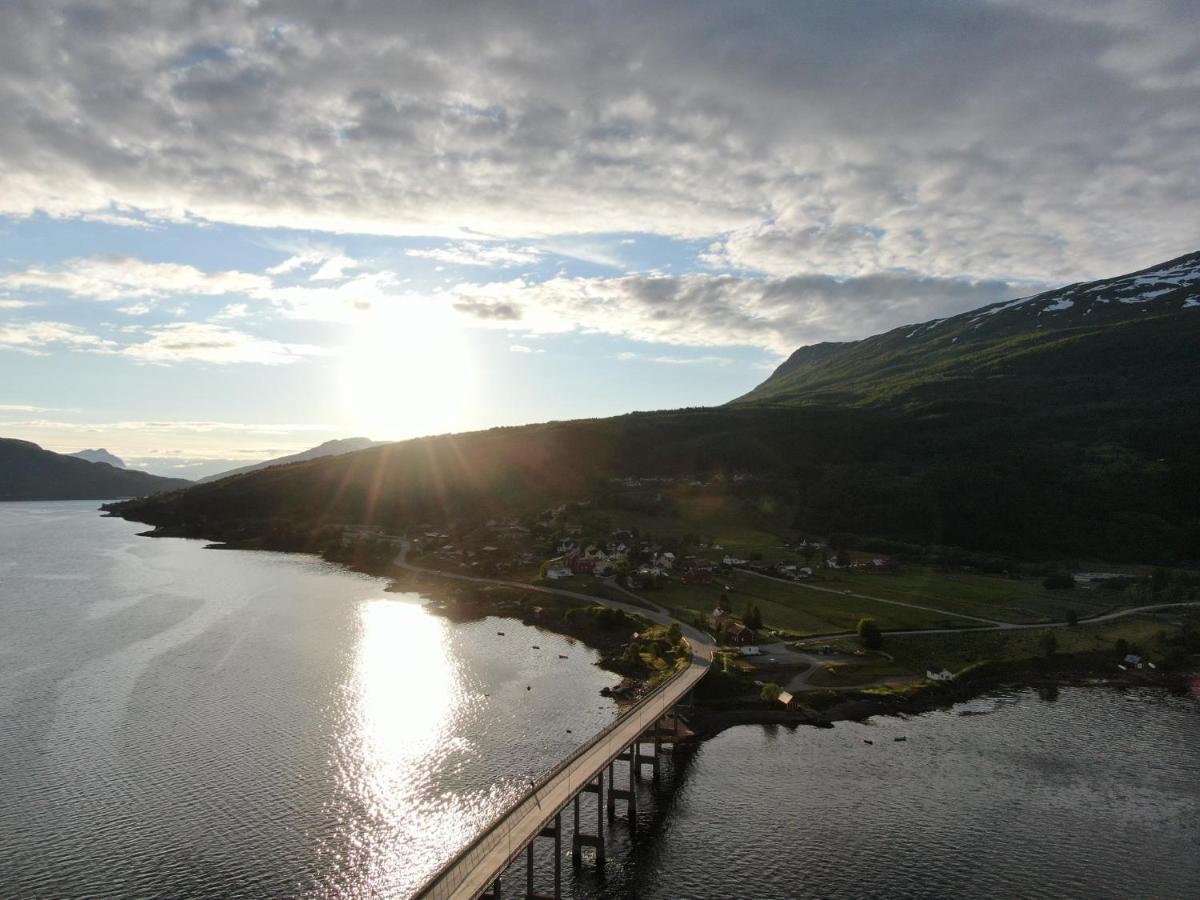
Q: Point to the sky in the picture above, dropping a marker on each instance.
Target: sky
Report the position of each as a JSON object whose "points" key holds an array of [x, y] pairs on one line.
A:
{"points": [[234, 230]]}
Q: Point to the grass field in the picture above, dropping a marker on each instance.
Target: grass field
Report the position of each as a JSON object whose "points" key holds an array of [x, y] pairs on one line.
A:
{"points": [[988, 596], [791, 608], [957, 651]]}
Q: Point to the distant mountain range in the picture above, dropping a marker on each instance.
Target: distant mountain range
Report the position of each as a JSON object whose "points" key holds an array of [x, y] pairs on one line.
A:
{"points": [[1063, 425], [329, 448], [101, 456], [27, 472]]}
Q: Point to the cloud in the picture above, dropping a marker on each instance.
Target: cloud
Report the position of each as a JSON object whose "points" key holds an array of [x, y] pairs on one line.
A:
{"points": [[521, 348], [127, 277], [706, 310], [473, 253], [37, 337], [201, 342], [988, 139], [676, 360], [16, 304]]}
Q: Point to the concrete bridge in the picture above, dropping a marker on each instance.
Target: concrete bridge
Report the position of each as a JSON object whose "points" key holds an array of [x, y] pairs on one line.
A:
{"points": [[475, 871]]}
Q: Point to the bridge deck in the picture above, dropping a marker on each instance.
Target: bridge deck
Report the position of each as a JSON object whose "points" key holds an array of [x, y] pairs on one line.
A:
{"points": [[479, 864]]}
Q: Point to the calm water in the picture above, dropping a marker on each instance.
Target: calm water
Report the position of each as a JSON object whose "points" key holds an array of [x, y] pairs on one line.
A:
{"points": [[1095, 794], [176, 722], [181, 722]]}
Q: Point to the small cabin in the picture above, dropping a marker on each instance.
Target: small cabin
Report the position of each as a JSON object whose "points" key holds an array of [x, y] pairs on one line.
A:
{"points": [[789, 701]]}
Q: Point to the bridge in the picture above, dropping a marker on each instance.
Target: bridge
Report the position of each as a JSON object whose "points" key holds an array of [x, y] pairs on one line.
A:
{"points": [[475, 871]]}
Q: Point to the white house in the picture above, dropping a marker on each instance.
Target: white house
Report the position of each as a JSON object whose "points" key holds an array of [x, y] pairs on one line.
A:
{"points": [[943, 675], [749, 651]]}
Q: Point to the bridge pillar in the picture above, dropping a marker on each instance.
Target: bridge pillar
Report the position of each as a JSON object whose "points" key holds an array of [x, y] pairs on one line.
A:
{"points": [[493, 892], [554, 831], [615, 793], [581, 840]]}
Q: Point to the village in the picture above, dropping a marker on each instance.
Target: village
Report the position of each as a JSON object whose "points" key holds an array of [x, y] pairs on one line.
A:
{"points": [[786, 613]]}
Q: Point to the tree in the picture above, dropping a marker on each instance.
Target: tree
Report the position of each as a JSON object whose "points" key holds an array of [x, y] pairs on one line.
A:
{"points": [[1048, 643], [869, 634], [724, 604], [843, 559], [754, 618], [1072, 617], [770, 693], [674, 634]]}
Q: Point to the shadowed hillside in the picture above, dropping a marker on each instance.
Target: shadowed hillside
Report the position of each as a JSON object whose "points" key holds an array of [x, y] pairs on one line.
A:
{"points": [[1058, 425], [27, 472]]}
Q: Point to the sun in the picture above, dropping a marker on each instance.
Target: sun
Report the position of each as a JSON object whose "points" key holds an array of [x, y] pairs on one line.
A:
{"points": [[406, 371]]}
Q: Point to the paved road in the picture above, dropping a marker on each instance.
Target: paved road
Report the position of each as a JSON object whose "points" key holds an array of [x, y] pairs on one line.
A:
{"points": [[701, 642], [475, 867]]}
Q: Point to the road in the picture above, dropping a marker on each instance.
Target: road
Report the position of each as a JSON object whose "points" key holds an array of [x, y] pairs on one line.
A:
{"points": [[701, 642], [474, 868]]}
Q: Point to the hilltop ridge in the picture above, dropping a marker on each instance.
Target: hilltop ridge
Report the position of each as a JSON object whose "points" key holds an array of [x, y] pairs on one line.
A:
{"points": [[1062, 424]]}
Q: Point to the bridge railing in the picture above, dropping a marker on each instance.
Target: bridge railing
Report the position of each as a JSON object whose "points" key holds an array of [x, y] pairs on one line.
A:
{"points": [[510, 831]]}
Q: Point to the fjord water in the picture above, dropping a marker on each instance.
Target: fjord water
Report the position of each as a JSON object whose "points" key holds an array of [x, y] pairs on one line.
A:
{"points": [[1089, 793], [182, 722]]}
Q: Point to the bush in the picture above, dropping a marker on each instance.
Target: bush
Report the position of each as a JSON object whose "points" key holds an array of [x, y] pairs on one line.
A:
{"points": [[770, 693], [869, 634]]}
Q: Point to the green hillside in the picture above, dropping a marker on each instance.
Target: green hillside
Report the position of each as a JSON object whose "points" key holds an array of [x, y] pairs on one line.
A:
{"points": [[1061, 425]]}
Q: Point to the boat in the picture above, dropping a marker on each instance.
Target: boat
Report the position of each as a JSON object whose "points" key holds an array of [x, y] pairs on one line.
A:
{"points": [[562, 656]]}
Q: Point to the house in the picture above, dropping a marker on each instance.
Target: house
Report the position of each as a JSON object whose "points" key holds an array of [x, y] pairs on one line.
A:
{"points": [[1133, 660], [556, 572], [789, 701], [697, 576], [733, 561], [804, 572], [936, 674], [749, 651], [739, 634]]}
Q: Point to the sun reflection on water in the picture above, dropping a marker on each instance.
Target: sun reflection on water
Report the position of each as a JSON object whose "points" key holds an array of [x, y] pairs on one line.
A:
{"points": [[402, 701]]}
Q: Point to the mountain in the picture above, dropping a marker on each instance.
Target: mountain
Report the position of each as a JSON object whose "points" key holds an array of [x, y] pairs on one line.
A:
{"points": [[329, 448], [1057, 426], [100, 456], [27, 472], [1086, 331]]}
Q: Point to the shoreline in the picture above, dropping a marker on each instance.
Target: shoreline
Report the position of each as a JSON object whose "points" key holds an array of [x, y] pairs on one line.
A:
{"points": [[709, 720]]}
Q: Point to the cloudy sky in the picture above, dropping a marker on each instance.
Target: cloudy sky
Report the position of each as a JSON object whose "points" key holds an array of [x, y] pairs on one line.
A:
{"points": [[230, 230]]}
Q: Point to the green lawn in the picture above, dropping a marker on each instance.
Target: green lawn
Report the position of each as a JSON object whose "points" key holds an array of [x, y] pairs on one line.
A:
{"points": [[987, 596], [791, 608], [957, 651]]}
